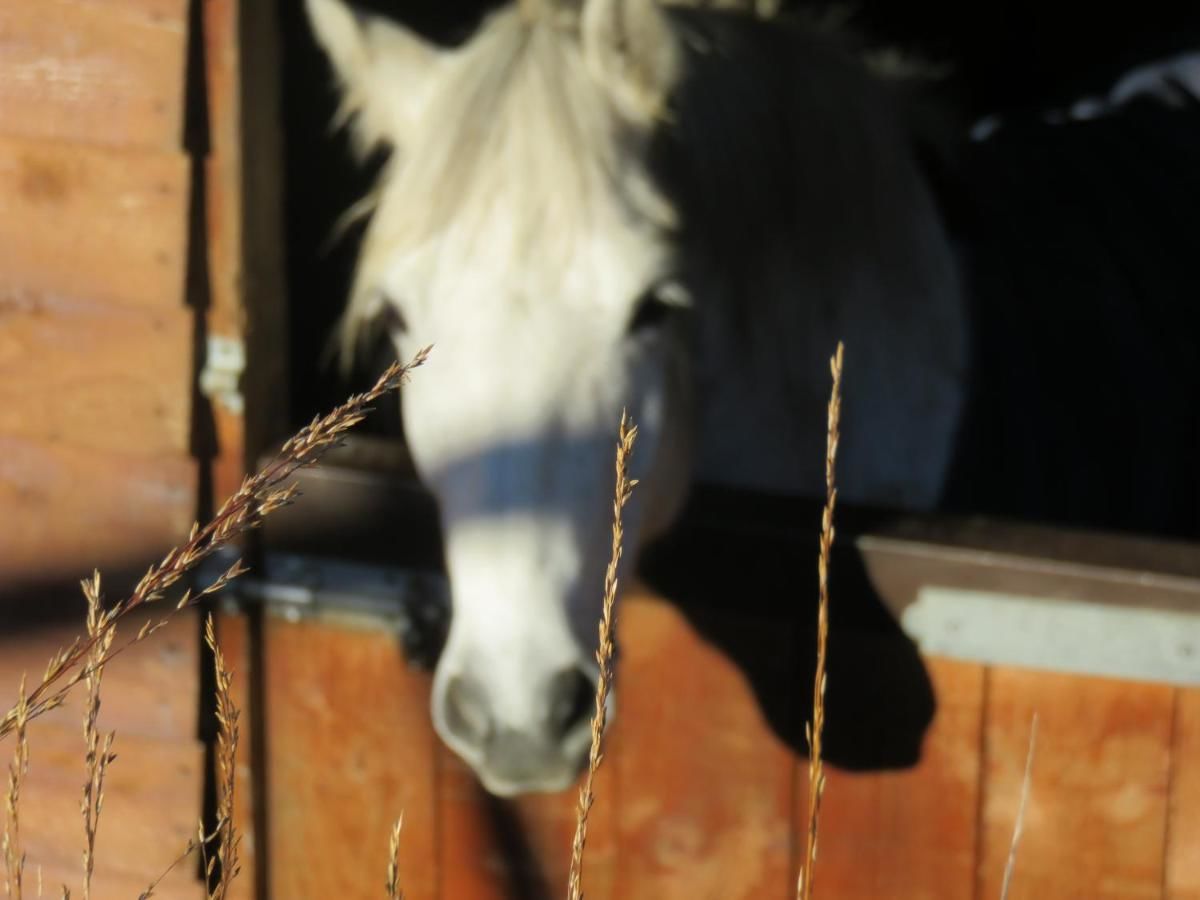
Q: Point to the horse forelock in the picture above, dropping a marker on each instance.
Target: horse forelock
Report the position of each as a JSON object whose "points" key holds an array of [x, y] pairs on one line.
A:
{"points": [[519, 133], [520, 152]]}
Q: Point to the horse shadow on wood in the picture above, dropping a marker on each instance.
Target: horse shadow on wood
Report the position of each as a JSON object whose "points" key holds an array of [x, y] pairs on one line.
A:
{"points": [[743, 571]]}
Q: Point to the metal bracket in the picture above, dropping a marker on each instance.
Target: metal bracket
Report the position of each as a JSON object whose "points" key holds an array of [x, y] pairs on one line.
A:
{"points": [[413, 604], [220, 379]]}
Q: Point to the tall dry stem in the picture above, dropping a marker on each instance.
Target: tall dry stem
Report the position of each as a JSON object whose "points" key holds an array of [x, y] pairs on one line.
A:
{"points": [[258, 497], [98, 755], [14, 856], [228, 839], [393, 873], [816, 773], [1019, 826], [604, 655], [224, 833]]}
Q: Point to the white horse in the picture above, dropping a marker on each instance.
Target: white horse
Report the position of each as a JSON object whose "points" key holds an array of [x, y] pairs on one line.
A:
{"points": [[607, 204]]}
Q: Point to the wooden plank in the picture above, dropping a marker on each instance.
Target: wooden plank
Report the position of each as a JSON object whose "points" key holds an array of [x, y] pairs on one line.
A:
{"points": [[243, 216], [1097, 812], [80, 222], [108, 72], [179, 885], [350, 749], [1183, 833], [495, 848], [223, 227], [152, 799], [97, 376], [706, 788], [1134, 602], [910, 834], [149, 691], [68, 510], [154, 789]]}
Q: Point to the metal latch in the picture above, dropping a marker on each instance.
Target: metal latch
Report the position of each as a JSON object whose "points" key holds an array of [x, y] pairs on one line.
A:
{"points": [[412, 604], [220, 379]]}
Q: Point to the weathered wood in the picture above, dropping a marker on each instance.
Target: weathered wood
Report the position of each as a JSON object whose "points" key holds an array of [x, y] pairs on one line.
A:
{"points": [[149, 691], [1097, 813], [68, 510], [248, 297], [153, 789], [152, 797], [350, 748], [109, 72], [97, 376], [1183, 832], [179, 885], [493, 848], [910, 834], [224, 227], [1000, 593], [706, 802], [88, 223]]}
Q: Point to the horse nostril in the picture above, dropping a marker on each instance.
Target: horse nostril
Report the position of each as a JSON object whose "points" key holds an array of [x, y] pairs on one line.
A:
{"points": [[572, 700], [466, 711]]}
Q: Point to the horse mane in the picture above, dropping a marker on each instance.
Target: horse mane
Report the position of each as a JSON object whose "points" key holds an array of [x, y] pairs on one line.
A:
{"points": [[520, 110], [523, 110]]}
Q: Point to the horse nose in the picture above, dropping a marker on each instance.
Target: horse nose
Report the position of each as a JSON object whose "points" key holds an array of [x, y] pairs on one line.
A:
{"points": [[466, 711], [541, 748], [567, 704], [571, 701]]}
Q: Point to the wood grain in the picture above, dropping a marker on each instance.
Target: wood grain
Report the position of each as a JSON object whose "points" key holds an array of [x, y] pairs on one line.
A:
{"points": [[493, 849], [150, 691], [244, 230], [1097, 812], [706, 788], [69, 510], [153, 790], [89, 223], [152, 800], [108, 72], [911, 834], [97, 376], [350, 748], [181, 884], [1183, 833]]}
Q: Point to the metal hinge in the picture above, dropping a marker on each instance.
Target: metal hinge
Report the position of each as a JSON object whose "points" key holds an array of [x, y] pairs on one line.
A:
{"points": [[412, 604]]}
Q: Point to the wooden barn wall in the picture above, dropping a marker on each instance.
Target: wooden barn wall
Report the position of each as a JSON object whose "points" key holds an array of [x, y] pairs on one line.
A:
{"points": [[123, 239], [247, 312], [699, 796], [704, 785], [153, 793], [95, 331]]}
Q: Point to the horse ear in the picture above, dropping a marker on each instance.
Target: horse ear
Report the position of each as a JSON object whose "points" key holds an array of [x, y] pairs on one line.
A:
{"points": [[385, 71], [633, 53]]}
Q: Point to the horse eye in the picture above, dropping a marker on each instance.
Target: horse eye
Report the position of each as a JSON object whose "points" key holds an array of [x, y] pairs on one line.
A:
{"points": [[392, 319], [656, 305]]}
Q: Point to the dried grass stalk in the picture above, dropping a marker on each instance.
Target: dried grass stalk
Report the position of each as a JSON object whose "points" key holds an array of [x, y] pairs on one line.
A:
{"points": [[258, 497], [813, 730], [228, 839], [224, 833], [604, 655], [14, 857], [393, 873], [187, 851], [1011, 865], [101, 631]]}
